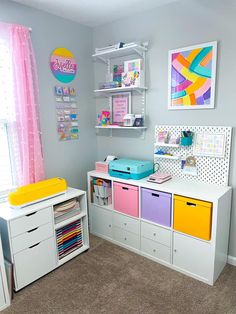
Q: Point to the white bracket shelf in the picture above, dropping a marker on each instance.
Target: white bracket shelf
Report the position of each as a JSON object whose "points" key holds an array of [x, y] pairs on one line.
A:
{"points": [[113, 127], [104, 56], [108, 91]]}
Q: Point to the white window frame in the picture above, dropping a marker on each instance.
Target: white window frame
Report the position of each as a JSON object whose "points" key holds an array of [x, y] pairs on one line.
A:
{"points": [[4, 193]]}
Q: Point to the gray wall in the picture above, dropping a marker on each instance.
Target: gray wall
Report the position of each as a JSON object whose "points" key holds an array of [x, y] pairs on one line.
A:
{"points": [[71, 159], [166, 28]]}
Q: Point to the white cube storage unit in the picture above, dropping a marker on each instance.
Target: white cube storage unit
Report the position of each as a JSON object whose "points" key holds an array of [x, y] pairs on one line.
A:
{"points": [[161, 241], [32, 237]]}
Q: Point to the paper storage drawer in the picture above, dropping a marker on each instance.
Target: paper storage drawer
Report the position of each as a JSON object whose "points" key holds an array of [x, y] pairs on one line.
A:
{"points": [[30, 221], [155, 249], [156, 233], [156, 206], [32, 237], [193, 217], [126, 223], [126, 199], [127, 238], [34, 262]]}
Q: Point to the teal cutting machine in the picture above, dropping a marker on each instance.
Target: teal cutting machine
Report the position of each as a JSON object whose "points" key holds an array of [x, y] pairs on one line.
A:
{"points": [[130, 169]]}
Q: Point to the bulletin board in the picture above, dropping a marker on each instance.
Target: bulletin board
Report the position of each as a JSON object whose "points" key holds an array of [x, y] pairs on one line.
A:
{"points": [[212, 164]]}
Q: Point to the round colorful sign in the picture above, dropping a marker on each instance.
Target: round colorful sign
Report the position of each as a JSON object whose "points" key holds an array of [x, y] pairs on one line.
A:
{"points": [[63, 65]]}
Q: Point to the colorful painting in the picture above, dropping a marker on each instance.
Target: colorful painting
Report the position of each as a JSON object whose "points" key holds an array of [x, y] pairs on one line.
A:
{"points": [[63, 65], [192, 73]]}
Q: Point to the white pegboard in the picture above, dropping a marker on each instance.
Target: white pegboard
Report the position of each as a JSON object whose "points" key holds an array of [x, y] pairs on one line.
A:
{"points": [[211, 170]]}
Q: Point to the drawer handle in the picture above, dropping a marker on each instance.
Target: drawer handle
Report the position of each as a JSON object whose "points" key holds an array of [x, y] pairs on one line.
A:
{"points": [[125, 239], [31, 214], [191, 204], [154, 234], [154, 250], [109, 226], [30, 247], [156, 195], [124, 188], [32, 230], [125, 223]]}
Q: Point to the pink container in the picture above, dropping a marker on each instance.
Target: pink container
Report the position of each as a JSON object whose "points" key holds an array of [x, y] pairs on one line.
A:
{"points": [[126, 199], [102, 166]]}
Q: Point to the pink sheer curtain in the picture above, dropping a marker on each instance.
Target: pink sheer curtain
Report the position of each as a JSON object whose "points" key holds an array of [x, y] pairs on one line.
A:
{"points": [[23, 116]]}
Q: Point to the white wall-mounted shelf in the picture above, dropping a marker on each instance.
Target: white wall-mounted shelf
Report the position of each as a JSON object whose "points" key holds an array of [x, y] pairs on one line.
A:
{"points": [[105, 55], [166, 145], [167, 157], [117, 127], [108, 91]]}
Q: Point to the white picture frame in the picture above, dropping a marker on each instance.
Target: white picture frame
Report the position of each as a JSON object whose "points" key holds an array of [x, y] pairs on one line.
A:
{"points": [[200, 95], [120, 106], [209, 145]]}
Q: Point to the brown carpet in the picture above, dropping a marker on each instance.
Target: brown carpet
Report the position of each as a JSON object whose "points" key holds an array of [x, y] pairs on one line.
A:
{"points": [[110, 279]]}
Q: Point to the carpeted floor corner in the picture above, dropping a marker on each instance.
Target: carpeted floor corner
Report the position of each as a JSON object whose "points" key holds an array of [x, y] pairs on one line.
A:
{"points": [[110, 279]]}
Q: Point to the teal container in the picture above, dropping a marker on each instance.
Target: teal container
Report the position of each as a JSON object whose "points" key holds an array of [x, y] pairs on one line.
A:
{"points": [[186, 141]]}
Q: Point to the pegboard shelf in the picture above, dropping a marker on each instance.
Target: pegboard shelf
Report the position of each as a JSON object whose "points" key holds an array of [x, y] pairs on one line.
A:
{"points": [[212, 170], [166, 145], [167, 157]]}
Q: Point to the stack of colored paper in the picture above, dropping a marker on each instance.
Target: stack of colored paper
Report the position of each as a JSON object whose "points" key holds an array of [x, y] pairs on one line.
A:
{"points": [[69, 238]]}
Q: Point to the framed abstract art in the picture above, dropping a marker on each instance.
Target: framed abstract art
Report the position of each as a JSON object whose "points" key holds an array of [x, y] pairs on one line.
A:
{"points": [[191, 77]]}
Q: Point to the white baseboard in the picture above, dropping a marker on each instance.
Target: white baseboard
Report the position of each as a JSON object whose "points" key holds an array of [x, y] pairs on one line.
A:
{"points": [[232, 260]]}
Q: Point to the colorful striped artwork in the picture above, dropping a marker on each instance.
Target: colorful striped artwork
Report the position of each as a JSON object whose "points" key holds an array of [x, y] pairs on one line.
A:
{"points": [[192, 77]]}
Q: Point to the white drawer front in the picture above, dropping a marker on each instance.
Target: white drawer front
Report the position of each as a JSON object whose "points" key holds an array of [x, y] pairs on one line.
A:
{"points": [[31, 237], [30, 221], [101, 221], [34, 262], [155, 249], [127, 238], [193, 255], [156, 233], [126, 223]]}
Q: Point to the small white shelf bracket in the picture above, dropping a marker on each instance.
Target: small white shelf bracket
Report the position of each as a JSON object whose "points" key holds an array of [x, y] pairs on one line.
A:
{"points": [[103, 60], [140, 53]]}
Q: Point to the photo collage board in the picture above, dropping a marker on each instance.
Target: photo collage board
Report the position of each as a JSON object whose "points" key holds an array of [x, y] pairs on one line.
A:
{"points": [[67, 113]]}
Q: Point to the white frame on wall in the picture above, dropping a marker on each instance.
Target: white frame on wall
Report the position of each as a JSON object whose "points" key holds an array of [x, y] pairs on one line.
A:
{"points": [[211, 142], [123, 94], [213, 78]]}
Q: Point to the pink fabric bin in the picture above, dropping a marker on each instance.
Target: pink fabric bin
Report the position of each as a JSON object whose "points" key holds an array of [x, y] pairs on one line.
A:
{"points": [[126, 199]]}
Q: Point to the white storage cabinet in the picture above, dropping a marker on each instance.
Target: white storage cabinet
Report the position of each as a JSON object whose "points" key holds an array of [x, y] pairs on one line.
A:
{"points": [[29, 236], [195, 257]]}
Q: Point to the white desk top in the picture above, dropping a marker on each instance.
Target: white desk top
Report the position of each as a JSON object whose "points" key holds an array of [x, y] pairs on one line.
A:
{"points": [[8, 213], [202, 191]]}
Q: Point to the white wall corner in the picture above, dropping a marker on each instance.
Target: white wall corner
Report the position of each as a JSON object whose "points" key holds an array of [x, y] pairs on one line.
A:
{"points": [[232, 260]]}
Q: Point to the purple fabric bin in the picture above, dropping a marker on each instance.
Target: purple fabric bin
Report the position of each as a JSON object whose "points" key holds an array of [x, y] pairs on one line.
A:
{"points": [[156, 206]]}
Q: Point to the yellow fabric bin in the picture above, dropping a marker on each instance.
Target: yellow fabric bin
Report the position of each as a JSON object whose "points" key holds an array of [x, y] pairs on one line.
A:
{"points": [[193, 217]]}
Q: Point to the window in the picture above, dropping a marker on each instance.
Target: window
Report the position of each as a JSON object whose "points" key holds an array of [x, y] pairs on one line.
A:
{"points": [[6, 102], [5, 164]]}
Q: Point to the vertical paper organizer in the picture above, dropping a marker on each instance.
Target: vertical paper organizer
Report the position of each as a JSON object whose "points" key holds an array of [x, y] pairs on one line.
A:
{"points": [[69, 238], [102, 195]]}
